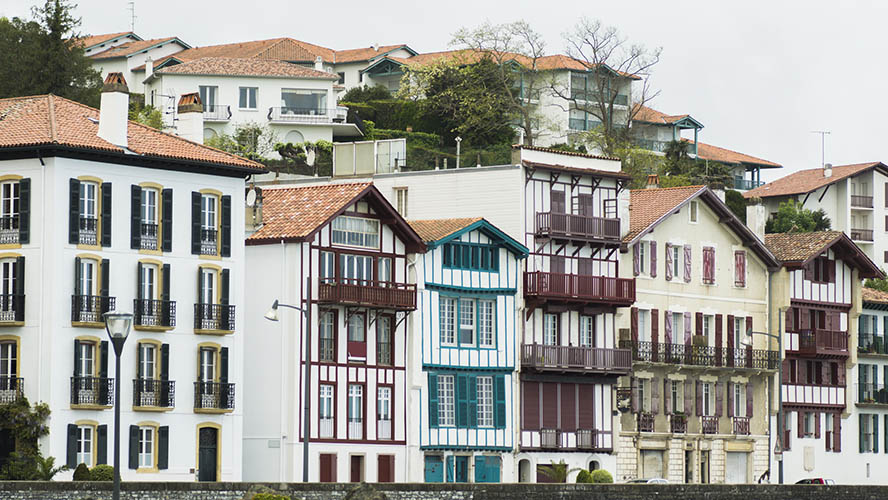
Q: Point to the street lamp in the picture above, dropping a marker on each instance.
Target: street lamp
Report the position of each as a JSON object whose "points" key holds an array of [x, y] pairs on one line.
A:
{"points": [[272, 315], [778, 444], [117, 324]]}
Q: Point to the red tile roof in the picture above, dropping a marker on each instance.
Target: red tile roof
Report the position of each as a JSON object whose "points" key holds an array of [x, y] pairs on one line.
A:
{"points": [[130, 48], [284, 49], [797, 249], [874, 296], [469, 56], [244, 67], [436, 229], [52, 120], [365, 54], [722, 155], [650, 115], [89, 41], [647, 206], [805, 181]]}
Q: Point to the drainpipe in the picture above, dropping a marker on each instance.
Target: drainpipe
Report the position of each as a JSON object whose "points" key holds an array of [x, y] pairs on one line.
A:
{"points": [[770, 379]]}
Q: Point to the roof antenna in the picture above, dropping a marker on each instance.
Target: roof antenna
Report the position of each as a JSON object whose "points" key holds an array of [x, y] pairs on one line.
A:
{"points": [[132, 9], [823, 134]]}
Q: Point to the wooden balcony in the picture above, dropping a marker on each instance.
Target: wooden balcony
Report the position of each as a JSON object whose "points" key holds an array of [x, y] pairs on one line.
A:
{"points": [[678, 424], [858, 201], [825, 343], [577, 227], [645, 422], [374, 294], [575, 288], [709, 425], [741, 426], [710, 357], [562, 358]]}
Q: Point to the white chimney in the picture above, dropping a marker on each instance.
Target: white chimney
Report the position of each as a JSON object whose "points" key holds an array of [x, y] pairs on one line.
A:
{"points": [[149, 67], [319, 63], [114, 110], [623, 207], [756, 216], [190, 118], [827, 170]]}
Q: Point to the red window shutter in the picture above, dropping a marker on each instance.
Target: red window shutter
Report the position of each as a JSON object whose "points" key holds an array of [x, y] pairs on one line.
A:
{"points": [[730, 333], [688, 394], [718, 331], [636, 251], [653, 249], [687, 263], [749, 326], [668, 262], [699, 323], [837, 431], [568, 407], [655, 326], [800, 422], [586, 404], [633, 323], [550, 405], [817, 425], [530, 398], [730, 399]]}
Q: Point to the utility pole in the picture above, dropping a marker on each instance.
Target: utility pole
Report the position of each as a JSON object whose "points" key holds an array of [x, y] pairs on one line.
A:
{"points": [[132, 9], [823, 134]]}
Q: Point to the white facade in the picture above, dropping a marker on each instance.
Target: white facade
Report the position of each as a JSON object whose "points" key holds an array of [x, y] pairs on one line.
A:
{"points": [[127, 64]]}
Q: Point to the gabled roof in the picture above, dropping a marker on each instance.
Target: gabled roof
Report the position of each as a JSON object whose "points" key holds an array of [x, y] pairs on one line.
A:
{"points": [[52, 122], [296, 214], [871, 296], [795, 250], [560, 152], [227, 66], [436, 232], [579, 170], [93, 40], [650, 115], [368, 53], [282, 49], [722, 155], [805, 181], [650, 207], [130, 48]]}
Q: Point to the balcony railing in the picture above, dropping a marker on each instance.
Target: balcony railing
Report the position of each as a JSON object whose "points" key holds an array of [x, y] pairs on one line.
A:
{"points": [[12, 308], [872, 394], [214, 317], [683, 354], [576, 359], [325, 427], [9, 230], [12, 389], [594, 96], [826, 342], [380, 294], [861, 201], [581, 124], [90, 308], [88, 231], [308, 115], [577, 227], [592, 439], [92, 391], [678, 424], [862, 234], [709, 425], [384, 429], [327, 349], [355, 428], [154, 393], [645, 422], [154, 313], [872, 344], [550, 438], [651, 144], [216, 112], [741, 426], [213, 396], [148, 236], [577, 288], [208, 241], [746, 184]]}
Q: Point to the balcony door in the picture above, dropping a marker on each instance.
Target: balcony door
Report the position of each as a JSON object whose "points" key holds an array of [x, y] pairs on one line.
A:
{"points": [[148, 290], [355, 411], [356, 269], [208, 95], [8, 373], [208, 439], [86, 283], [147, 374], [8, 287]]}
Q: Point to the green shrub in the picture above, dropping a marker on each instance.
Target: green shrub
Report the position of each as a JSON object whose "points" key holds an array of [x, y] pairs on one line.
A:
{"points": [[270, 496], [584, 477], [601, 476], [81, 473], [102, 472]]}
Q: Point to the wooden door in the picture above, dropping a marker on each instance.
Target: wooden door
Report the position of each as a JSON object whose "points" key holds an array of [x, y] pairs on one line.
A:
{"points": [[385, 468], [208, 440], [356, 469], [327, 468]]}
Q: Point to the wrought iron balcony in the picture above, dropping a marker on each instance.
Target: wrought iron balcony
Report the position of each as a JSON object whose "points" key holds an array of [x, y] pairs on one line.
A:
{"points": [[12, 389], [12, 308], [148, 237], [593, 440], [88, 234], [550, 438], [577, 227], [678, 424], [709, 425], [308, 115], [867, 343], [741, 426], [861, 234], [213, 396], [579, 289], [216, 112], [154, 313], [377, 294], [859, 201], [823, 342], [562, 358], [92, 391], [9, 230], [152, 393], [208, 241], [684, 354], [90, 308], [645, 422], [872, 394], [214, 317]]}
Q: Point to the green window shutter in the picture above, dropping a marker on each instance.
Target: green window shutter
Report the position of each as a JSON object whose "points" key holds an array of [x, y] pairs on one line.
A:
{"points": [[135, 216], [105, 281], [499, 395], [19, 288], [480, 469], [462, 401], [860, 432], [166, 220], [163, 447], [226, 226], [106, 214], [73, 214], [76, 361], [886, 434], [134, 447], [141, 282], [25, 211], [105, 397], [71, 454], [876, 433], [195, 223], [433, 400], [472, 401], [102, 444], [449, 468]]}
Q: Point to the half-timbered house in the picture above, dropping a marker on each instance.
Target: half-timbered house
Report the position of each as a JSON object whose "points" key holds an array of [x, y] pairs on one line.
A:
{"points": [[465, 333], [339, 253]]}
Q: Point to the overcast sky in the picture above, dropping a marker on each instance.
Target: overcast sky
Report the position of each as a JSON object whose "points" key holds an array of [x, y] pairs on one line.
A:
{"points": [[759, 75]]}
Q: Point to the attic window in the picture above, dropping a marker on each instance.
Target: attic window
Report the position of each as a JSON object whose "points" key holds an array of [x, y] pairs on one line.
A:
{"points": [[692, 212]]}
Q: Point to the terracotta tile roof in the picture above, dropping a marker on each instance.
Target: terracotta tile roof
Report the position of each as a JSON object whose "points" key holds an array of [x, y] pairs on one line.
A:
{"points": [[647, 206], [53, 120], [244, 67], [130, 48], [875, 296], [805, 181], [365, 54], [294, 213], [566, 153], [722, 155], [799, 247], [89, 41], [650, 115], [157, 62], [469, 56], [436, 229], [284, 49]]}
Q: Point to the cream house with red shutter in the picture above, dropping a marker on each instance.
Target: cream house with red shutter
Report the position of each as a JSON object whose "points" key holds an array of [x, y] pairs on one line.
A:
{"points": [[695, 407]]}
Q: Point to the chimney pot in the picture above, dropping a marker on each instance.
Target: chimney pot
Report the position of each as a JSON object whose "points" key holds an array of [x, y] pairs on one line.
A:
{"points": [[653, 181], [827, 169], [190, 117], [319, 63], [114, 110], [149, 67]]}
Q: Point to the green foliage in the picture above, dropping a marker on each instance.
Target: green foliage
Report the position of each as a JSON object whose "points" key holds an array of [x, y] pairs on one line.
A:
{"points": [[737, 203], [584, 476], [307, 158], [81, 473], [880, 284], [270, 496], [601, 476], [102, 472], [555, 472], [29, 465], [149, 116], [27, 423], [365, 93], [250, 140], [570, 148], [397, 114], [792, 218], [42, 56]]}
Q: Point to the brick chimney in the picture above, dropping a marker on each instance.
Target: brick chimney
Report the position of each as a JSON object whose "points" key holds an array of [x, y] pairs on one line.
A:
{"points": [[114, 110], [190, 118], [653, 181]]}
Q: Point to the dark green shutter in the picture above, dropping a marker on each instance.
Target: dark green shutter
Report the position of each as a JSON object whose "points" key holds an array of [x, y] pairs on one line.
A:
{"points": [[165, 376], [102, 444], [433, 400], [195, 223], [166, 277], [140, 279], [71, 454], [876, 433], [472, 401], [499, 391], [223, 376], [74, 211], [886, 435], [226, 226], [163, 447], [462, 397], [134, 447], [135, 216], [861, 417], [106, 214], [166, 220], [140, 359], [449, 469], [25, 211], [106, 280], [77, 358], [104, 396], [225, 323], [76, 275], [19, 288]]}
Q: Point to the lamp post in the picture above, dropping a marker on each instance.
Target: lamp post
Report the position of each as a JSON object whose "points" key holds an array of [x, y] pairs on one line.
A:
{"points": [[117, 324], [458, 141], [272, 315], [778, 444]]}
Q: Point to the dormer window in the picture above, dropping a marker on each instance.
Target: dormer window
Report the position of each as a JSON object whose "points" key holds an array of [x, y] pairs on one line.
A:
{"points": [[356, 232]]}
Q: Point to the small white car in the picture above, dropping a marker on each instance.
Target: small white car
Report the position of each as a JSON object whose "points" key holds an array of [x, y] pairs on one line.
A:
{"points": [[653, 480]]}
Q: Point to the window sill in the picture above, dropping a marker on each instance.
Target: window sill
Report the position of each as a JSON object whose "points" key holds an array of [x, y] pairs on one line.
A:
{"points": [[248, 109], [150, 252], [87, 324], [212, 411], [212, 332], [156, 409], [81, 246], [153, 328], [210, 257], [12, 323], [10, 246], [147, 470], [91, 407]]}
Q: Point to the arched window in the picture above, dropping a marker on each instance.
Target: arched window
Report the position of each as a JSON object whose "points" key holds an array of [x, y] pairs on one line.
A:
{"points": [[294, 137]]}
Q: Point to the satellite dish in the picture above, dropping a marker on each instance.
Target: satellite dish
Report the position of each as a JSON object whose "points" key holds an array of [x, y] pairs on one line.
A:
{"points": [[251, 197], [310, 156]]}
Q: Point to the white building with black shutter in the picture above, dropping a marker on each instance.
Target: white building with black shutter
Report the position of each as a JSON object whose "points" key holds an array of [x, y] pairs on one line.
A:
{"points": [[88, 206]]}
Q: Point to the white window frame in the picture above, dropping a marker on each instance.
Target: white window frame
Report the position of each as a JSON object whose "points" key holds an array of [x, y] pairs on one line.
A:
{"points": [[678, 327], [644, 394], [708, 397], [693, 212], [677, 395], [88, 277], [642, 257], [358, 232], [149, 204], [708, 330], [809, 430], [739, 331], [356, 402], [467, 321], [353, 328], [484, 401], [209, 209], [677, 268], [384, 402], [244, 97], [208, 285], [355, 269], [149, 281], [327, 266], [550, 329], [644, 330], [146, 447], [7, 280], [148, 357], [486, 323], [326, 410], [85, 445], [89, 195], [739, 400], [401, 200], [9, 199], [88, 358], [208, 364], [8, 358], [446, 401], [587, 330], [447, 313]]}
